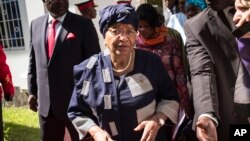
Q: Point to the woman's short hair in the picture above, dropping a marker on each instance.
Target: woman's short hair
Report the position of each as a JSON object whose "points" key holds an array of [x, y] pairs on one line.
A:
{"points": [[148, 13]]}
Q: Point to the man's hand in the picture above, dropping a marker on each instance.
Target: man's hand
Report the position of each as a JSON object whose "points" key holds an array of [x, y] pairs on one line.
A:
{"points": [[206, 129], [32, 100]]}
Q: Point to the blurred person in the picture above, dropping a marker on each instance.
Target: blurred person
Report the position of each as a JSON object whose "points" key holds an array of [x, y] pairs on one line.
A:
{"points": [[241, 18], [172, 5], [122, 93], [86, 8], [170, 8], [6, 89], [181, 5], [59, 40], [168, 45], [193, 7], [242, 14], [123, 1], [219, 79], [174, 18]]}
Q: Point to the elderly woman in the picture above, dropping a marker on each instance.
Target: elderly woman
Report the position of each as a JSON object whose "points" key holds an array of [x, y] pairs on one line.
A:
{"points": [[122, 93]]}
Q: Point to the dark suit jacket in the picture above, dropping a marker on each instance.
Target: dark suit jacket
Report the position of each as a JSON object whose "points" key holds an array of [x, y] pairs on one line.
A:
{"points": [[214, 63], [52, 80]]}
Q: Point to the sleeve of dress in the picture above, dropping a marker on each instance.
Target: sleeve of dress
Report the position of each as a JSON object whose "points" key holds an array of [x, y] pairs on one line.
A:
{"points": [[167, 98], [79, 112], [180, 66]]}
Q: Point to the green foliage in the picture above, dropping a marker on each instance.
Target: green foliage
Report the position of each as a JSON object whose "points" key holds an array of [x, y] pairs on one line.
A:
{"points": [[20, 124]]}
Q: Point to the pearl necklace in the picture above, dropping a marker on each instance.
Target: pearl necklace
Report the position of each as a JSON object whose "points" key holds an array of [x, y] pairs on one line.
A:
{"points": [[127, 66]]}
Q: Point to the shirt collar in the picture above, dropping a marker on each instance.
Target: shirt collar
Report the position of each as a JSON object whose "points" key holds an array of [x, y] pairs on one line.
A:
{"points": [[61, 18]]}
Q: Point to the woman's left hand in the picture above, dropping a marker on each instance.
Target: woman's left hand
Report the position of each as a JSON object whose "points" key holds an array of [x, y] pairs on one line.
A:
{"points": [[151, 127]]}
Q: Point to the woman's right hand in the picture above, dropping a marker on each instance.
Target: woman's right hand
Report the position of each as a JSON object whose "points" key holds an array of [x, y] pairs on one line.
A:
{"points": [[98, 134]]}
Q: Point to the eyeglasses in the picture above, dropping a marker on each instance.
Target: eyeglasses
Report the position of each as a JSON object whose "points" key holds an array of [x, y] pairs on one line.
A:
{"points": [[117, 32]]}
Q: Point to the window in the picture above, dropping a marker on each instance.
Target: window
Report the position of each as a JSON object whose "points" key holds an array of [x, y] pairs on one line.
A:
{"points": [[11, 33]]}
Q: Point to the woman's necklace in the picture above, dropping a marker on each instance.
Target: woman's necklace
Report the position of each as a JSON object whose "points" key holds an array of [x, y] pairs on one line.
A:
{"points": [[127, 66]]}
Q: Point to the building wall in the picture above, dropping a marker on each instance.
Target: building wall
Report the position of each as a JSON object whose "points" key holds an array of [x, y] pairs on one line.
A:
{"points": [[18, 59]]}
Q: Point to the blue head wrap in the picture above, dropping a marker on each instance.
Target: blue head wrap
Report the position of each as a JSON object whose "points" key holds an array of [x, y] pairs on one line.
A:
{"points": [[121, 13], [201, 4]]}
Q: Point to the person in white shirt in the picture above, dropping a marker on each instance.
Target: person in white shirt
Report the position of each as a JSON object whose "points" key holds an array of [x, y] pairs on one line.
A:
{"points": [[174, 18]]}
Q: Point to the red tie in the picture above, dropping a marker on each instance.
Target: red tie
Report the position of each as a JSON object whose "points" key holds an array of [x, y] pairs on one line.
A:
{"points": [[51, 37]]}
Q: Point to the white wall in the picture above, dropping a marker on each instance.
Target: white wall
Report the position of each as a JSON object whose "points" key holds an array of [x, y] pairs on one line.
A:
{"points": [[34, 8], [18, 60]]}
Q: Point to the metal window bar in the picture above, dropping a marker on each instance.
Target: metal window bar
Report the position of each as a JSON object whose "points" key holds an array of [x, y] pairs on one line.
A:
{"points": [[11, 34], [6, 23]]}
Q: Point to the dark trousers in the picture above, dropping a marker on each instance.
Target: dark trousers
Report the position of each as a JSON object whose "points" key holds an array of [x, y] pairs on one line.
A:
{"points": [[53, 128], [1, 122]]}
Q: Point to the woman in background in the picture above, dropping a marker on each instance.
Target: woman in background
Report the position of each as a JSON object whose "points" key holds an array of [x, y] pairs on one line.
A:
{"points": [[166, 43]]}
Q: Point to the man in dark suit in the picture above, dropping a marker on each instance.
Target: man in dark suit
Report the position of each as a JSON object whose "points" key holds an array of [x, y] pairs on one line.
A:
{"points": [[220, 83], [50, 72]]}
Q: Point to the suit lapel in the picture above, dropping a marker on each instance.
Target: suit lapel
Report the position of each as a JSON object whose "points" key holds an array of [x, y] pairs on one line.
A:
{"points": [[43, 32], [61, 37], [227, 38]]}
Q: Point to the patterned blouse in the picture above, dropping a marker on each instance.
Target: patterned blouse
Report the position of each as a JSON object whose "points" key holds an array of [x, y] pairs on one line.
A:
{"points": [[169, 46]]}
